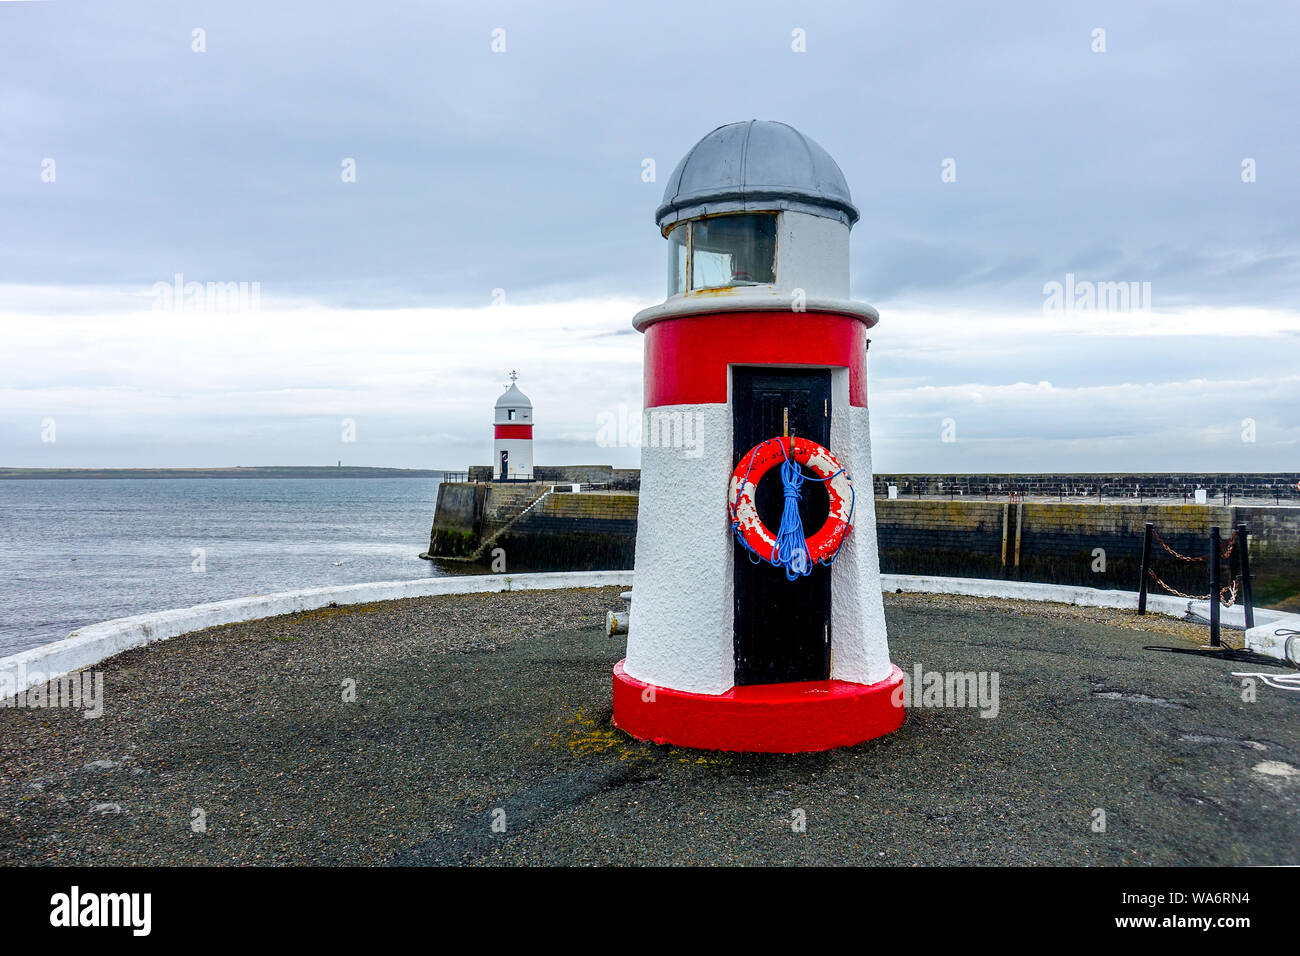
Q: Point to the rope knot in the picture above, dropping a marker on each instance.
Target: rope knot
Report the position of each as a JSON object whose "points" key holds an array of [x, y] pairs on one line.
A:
{"points": [[789, 550]]}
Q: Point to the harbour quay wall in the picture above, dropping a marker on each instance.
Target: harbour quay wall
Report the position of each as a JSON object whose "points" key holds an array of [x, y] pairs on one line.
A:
{"points": [[1282, 487], [588, 531], [1081, 542], [1093, 544], [457, 519], [537, 526]]}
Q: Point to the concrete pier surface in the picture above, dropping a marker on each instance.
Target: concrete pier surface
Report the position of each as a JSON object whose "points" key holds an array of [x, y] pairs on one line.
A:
{"points": [[480, 734]]}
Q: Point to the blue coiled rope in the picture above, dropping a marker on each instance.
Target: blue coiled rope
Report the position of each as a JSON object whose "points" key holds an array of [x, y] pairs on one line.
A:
{"points": [[791, 549]]}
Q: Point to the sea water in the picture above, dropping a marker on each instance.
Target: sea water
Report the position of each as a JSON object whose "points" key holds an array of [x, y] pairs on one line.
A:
{"points": [[78, 551]]}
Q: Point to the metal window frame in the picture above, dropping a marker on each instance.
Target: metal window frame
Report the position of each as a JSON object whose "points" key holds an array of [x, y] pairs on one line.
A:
{"points": [[690, 245]]}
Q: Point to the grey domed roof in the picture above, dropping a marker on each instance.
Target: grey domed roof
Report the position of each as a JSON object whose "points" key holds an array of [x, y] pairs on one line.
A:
{"points": [[513, 398], [755, 165]]}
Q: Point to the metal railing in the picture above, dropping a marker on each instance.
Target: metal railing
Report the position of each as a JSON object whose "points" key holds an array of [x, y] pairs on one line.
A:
{"points": [[1241, 581], [1116, 492], [462, 477]]}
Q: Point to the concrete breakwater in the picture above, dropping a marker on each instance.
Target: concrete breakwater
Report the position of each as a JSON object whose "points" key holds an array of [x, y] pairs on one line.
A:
{"points": [[540, 526], [534, 526]]}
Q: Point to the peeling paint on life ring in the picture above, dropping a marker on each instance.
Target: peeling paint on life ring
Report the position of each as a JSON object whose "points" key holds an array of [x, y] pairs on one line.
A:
{"points": [[826, 541]]}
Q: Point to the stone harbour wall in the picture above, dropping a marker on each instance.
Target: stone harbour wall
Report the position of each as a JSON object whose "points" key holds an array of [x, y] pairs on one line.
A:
{"points": [[1279, 485], [1086, 543], [1055, 543], [587, 531]]}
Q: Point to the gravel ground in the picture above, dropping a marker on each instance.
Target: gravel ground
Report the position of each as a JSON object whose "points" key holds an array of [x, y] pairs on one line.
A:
{"points": [[480, 708]]}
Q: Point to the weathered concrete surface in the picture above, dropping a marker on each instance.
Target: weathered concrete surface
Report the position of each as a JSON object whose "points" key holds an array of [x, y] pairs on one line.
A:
{"points": [[457, 519], [471, 704], [469, 514]]}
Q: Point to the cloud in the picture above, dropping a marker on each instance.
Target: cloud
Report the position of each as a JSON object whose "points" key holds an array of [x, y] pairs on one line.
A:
{"points": [[521, 172], [162, 387]]}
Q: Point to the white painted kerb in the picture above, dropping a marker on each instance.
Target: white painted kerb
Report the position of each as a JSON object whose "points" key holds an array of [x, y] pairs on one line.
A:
{"points": [[90, 645], [1263, 638]]}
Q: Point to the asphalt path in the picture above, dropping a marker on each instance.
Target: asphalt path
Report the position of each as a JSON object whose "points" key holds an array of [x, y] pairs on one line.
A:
{"points": [[480, 734]]}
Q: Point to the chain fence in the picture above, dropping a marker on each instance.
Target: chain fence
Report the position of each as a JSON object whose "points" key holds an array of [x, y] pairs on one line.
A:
{"points": [[1225, 553]]}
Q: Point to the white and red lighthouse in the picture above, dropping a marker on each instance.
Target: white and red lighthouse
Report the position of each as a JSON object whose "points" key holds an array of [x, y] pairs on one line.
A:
{"points": [[743, 634], [512, 434]]}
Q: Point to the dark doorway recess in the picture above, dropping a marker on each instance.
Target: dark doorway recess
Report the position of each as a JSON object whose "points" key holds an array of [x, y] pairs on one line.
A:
{"points": [[782, 628]]}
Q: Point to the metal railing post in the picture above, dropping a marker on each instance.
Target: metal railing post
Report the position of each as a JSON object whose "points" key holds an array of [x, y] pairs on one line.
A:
{"points": [[1146, 568], [1215, 585], [1247, 587]]}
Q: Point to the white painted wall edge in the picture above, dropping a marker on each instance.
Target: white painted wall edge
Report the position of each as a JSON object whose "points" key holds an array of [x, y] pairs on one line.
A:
{"points": [[1263, 638], [89, 645], [1280, 639]]}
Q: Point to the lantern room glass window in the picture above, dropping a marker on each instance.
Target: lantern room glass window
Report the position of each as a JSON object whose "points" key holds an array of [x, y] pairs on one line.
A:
{"points": [[722, 252], [679, 251], [733, 250]]}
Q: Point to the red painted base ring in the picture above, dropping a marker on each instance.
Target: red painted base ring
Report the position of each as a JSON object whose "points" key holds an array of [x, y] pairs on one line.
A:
{"points": [[760, 718]]}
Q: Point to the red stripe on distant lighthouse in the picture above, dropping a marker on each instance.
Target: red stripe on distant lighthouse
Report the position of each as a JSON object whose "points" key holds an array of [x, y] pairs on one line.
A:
{"points": [[514, 431], [686, 358]]}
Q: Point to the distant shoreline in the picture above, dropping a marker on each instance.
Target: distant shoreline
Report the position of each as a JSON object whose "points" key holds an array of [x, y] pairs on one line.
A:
{"points": [[268, 471]]}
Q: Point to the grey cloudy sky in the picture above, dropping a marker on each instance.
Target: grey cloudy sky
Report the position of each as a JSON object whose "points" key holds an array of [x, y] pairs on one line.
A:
{"points": [[522, 171]]}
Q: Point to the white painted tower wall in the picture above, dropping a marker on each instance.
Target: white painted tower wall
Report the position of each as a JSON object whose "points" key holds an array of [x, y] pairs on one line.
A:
{"points": [[515, 412], [521, 457], [681, 630]]}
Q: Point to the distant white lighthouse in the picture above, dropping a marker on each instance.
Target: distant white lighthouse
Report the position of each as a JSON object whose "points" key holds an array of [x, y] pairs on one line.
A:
{"points": [[513, 434]]}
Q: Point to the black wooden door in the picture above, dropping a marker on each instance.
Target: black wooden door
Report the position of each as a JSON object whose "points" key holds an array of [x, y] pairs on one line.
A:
{"points": [[782, 628]]}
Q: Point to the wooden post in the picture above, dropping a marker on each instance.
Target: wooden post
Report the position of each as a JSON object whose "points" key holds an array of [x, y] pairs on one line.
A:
{"points": [[1215, 584], [1020, 513], [1247, 587], [1006, 514], [1146, 568]]}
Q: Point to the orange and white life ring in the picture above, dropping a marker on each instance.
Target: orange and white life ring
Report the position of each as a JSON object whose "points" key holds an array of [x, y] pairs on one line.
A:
{"points": [[826, 542]]}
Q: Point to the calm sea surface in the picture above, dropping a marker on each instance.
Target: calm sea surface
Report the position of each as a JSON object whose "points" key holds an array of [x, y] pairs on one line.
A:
{"points": [[74, 552]]}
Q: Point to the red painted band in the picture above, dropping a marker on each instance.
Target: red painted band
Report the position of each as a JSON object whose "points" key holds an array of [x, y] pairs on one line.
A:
{"points": [[759, 718], [686, 358], [514, 431]]}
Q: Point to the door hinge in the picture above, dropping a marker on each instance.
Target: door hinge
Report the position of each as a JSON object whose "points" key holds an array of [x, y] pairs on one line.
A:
{"points": [[826, 407]]}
